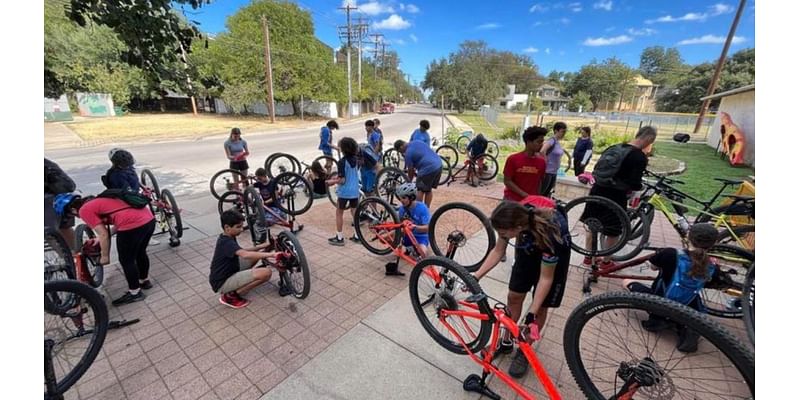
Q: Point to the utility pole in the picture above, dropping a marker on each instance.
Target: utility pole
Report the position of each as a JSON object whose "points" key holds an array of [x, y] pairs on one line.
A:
{"points": [[713, 85], [188, 79], [362, 28], [348, 40], [268, 68], [375, 51]]}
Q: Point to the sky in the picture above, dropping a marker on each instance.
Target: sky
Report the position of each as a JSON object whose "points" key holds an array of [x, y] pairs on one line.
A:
{"points": [[557, 35]]}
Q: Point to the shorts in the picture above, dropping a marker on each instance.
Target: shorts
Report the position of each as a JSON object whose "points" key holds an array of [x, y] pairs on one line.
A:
{"points": [[239, 279], [610, 223], [344, 204], [426, 183], [368, 180], [526, 269], [239, 165]]}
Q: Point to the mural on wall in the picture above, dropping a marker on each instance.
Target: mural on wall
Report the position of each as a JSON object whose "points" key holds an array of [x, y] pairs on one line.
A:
{"points": [[732, 139], [95, 104]]}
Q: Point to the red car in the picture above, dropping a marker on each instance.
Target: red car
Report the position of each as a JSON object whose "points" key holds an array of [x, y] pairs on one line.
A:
{"points": [[386, 108]]}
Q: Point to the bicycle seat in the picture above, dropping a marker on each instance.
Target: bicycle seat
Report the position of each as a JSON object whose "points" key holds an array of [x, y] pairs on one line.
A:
{"points": [[729, 181], [740, 198]]}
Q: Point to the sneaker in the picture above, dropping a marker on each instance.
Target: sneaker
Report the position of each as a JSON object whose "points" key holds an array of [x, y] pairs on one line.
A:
{"points": [[233, 300], [128, 297], [146, 284], [519, 365], [355, 239], [587, 262], [505, 347], [688, 341], [734, 304], [655, 324], [336, 241], [284, 290]]}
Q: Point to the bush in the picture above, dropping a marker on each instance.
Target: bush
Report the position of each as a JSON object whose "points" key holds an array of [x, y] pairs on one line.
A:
{"points": [[512, 133], [451, 136]]}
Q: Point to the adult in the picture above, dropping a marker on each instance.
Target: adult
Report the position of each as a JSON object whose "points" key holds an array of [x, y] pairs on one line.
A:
{"points": [[56, 182], [524, 171], [134, 228], [542, 254], [553, 151], [421, 160], [370, 156], [326, 142], [618, 172], [236, 151], [582, 153], [421, 133]]}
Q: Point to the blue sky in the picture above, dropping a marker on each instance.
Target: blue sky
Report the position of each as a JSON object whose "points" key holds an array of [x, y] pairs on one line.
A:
{"points": [[558, 35]]}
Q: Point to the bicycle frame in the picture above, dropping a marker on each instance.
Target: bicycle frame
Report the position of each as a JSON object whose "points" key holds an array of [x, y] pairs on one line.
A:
{"points": [[405, 226], [472, 172], [706, 204]]}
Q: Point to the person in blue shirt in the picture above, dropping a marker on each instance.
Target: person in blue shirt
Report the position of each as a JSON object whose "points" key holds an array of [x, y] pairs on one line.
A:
{"points": [[582, 153], [369, 157], [348, 189], [380, 136], [326, 142], [421, 134], [419, 215], [122, 174], [423, 161], [476, 147]]}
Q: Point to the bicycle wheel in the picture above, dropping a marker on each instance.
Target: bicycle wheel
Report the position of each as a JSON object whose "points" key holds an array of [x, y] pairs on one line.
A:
{"points": [[292, 193], [149, 180], [387, 181], [447, 172], [75, 326], [611, 355], [640, 223], [323, 160], [255, 216], [592, 217], [745, 233], [225, 180], [370, 213], [749, 304], [171, 214], [493, 149], [393, 158], [461, 144], [722, 297], [437, 284], [449, 153], [58, 260], [231, 200], [83, 234], [279, 163], [297, 274], [486, 166], [462, 233]]}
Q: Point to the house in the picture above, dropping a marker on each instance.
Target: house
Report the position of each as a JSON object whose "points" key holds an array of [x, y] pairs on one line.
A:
{"points": [[641, 100], [511, 99], [551, 97], [734, 127]]}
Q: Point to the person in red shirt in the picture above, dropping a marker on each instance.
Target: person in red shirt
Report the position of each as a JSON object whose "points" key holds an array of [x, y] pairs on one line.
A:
{"points": [[524, 171], [134, 228]]}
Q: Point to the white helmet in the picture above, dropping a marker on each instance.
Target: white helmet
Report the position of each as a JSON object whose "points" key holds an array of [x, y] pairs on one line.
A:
{"points": [[408, 189]]}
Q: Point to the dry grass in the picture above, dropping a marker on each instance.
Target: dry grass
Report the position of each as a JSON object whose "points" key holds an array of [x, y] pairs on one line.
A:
{"points": [[154, 126]]}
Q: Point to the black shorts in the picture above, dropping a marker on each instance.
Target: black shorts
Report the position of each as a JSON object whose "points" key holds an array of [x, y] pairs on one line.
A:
{"points": [[426, 183], [344, 204], [240, 165], [610, 223], [526, 269]]}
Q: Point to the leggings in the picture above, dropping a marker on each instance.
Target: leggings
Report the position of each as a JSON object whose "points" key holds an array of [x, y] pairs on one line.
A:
{"points": [[548, 184], [132, 250], [578, 167]]}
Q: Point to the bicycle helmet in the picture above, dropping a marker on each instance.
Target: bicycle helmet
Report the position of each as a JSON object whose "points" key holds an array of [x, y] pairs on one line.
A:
{"points": [[121, 158], [703, 235], [407, 190], [62, 202]]}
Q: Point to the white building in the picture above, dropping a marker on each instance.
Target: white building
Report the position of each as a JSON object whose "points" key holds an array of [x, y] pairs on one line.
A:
{"points": [[740, 104]]}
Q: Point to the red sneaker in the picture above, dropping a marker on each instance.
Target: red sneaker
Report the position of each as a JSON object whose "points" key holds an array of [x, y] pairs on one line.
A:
{"points": [[233, 300], [587, 261]]}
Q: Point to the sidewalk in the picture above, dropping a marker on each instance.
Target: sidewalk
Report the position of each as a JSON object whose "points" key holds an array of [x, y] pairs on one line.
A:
{"points": [[58, 136]]}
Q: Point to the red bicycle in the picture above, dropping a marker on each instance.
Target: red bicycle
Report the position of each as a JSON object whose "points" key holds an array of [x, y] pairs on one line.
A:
{"points": [[164, 208]]}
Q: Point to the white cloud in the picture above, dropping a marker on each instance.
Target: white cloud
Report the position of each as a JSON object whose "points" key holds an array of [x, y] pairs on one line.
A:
{"points": [[642, 32], [711, 39], [401, 42], [547, 50], [413, 37], [601, 41], [538, 23], [394, 22], [719, 9], [575, 7], [610, 28], [412, 8], [351, 3], [531, 50], [564, 21], [603, 5], [490, 25], [538, 8], [375, 8], [713, 11]]}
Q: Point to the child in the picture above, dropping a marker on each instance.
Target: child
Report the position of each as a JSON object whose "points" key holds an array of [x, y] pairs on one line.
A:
{"points": [[265, 188], [369, 167], [476, 147], [682, 276], [348, 187], [326, 141], [420, 216], [121, 175], [232, 272], [317, 176], [379, 147], [583, 151]]}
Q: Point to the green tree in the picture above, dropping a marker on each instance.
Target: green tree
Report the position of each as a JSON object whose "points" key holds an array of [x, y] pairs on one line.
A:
{"points": [[605, 83], [580, 101], [663, 66]]}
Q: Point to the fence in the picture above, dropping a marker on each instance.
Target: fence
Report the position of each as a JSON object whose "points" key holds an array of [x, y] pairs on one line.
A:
{"points": [[490, 114]]}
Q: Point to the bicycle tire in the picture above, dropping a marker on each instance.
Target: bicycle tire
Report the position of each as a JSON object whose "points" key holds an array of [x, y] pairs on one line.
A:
{"points": [[493, 149], [233, 197], [724, 300], [149, 180], [220, 184], [58, 260], [743, 232], [372, 211], [490, 167], [637, 306], [449, 153], [454, 280], [386, 183], [298, 264], [279, 163], [640, 222], [255, 216], [297, 193], [92, 263], [322, 160], [95, 302], [461, 144], [172, 217], [393, 158], [730, 210], [445, 236], [446, 174], [615, 218], [749, 304]]}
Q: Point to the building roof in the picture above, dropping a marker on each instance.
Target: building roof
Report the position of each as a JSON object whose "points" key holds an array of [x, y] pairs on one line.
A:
{"points": [[546, 86], [554, 98], [641, 81], [730, 92]]}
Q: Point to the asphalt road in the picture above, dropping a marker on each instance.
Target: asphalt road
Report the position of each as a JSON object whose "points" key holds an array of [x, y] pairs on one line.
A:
{"points": [[186, 166]]}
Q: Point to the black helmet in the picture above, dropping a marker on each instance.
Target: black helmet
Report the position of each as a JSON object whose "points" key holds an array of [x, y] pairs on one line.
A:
{"points": [[703, 235], [121, 158]]}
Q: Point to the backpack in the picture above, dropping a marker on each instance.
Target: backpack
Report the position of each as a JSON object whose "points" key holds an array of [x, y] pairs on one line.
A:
{"points": [[366, 156], [133, 199], [56, 181], [607, 167], [683, 287]]}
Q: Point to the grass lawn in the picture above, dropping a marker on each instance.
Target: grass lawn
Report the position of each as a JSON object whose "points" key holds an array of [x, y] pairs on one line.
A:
{"points": [[157, 125]]}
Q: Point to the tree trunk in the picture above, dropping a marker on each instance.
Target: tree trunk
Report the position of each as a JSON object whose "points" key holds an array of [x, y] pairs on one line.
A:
{"points": [[296, 107], [162, 103]]}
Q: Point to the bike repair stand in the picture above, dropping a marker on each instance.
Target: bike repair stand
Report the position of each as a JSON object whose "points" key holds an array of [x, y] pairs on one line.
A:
{"points": [[477, 384]]}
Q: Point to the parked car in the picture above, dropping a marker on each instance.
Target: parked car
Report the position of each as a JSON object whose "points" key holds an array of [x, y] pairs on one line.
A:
{"points": [[386, 108]]}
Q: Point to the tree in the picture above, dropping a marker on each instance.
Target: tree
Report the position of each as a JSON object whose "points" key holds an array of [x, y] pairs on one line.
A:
{"points": [[605, 83], [580, 102], [662, 66]]}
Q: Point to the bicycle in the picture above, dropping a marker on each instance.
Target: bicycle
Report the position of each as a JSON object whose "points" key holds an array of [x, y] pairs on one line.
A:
{"points": [[483, 166], [292, 196], [386, 183], [164, 208], [58, 259], [229, 180], [749, 304], [454, 311], [465, 137]]}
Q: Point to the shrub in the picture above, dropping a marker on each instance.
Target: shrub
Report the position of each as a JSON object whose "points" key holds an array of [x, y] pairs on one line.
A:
{"points": [[512, 133]]}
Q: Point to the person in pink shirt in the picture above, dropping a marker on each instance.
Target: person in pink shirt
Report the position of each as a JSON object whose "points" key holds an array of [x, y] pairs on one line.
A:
{"points": [[134, 228]]}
